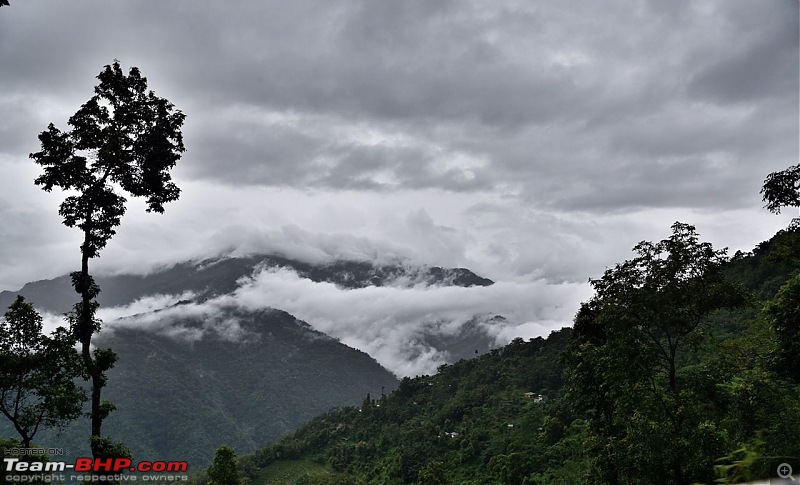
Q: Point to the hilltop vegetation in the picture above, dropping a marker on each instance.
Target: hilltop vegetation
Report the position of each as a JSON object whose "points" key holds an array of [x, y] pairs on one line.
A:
{"points": [[469, 415], [181, 399], [196, 377], [597, 403]]}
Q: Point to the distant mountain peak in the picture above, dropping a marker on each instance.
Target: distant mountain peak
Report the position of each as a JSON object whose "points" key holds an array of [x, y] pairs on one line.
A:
{"points": [[218, 276]]}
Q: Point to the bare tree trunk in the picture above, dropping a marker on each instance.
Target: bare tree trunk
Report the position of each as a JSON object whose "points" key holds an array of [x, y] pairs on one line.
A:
{"points": [[85, 332]]}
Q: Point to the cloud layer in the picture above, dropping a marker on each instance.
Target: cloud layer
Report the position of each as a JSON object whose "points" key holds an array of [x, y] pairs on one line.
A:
{"points": [[390, 323], [533, 143], [644, 100]]}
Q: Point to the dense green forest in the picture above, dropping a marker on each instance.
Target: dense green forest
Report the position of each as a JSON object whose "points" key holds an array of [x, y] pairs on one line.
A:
{"points": [[681, 369]]}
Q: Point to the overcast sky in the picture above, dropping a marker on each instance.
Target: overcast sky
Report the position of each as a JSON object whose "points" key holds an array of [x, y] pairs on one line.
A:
{"points": [[532, 142]]}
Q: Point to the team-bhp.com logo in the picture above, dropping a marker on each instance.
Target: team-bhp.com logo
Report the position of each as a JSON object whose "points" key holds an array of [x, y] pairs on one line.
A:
{"points": [[96, 465]]}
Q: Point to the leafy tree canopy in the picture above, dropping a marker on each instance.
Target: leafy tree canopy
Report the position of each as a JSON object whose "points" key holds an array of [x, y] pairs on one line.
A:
{"points": [[784, 314], [782, 189], [125, 137], [628, 360], [618, 417], [37, 373], [224, 471]]}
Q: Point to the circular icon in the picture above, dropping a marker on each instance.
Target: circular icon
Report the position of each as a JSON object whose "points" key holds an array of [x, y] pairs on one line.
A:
{"points": [[785, 470]]}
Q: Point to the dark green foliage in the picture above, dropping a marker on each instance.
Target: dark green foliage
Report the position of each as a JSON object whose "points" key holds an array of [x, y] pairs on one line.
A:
{"points": [[664, 385], [107, 448], [470, 423], [784, 314], [224, 470], [37, 373], [770, 265], [179, 400], [173, 397], [629, 360], [726, 409], [434, 473], [782, 189]]}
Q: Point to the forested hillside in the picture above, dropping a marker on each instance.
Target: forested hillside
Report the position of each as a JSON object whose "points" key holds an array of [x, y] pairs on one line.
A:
{"points": [[201, 371], [681, 369], [181, 399]]}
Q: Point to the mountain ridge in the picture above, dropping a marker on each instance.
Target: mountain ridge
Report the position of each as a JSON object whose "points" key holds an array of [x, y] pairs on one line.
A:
{"points": [[56, 295], [201, 370], [179, 399]]}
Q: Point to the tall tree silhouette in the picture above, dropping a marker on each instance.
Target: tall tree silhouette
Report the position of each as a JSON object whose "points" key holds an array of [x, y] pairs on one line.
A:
{"points": [[124, 140]]}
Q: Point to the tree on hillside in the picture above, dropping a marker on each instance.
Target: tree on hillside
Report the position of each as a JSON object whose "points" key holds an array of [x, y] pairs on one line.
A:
{"points": [[224, 470], [782, 189], [125, 139], [783, 313], [37, 373], [627, 354], [434, 473]]}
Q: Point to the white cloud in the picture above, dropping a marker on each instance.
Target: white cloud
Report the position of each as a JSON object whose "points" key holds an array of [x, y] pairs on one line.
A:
{"points": [[186, 321], [142, 305], [388, 322]]}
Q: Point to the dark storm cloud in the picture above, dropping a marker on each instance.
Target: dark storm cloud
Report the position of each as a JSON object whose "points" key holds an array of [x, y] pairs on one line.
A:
{"points": [[763, 64], [585, 110], [525, 99], [619, 107]]}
